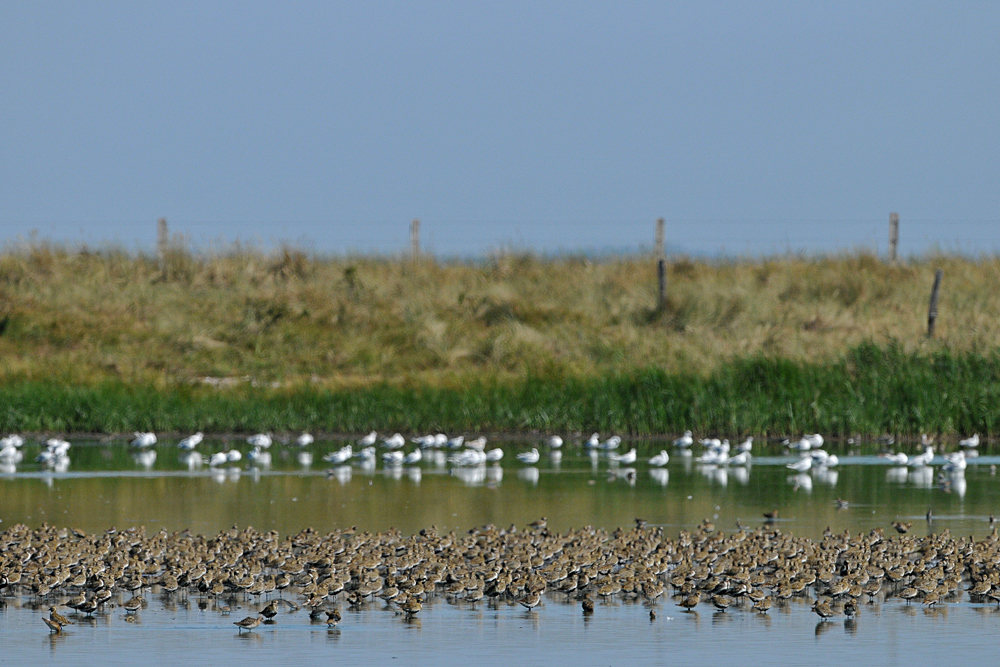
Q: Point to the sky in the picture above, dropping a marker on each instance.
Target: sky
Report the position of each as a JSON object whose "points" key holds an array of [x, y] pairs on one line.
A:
{"points": [[750, 127]]}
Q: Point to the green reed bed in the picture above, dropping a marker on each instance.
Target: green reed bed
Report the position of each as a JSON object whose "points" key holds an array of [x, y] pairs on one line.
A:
{"points": [[870, 390]]}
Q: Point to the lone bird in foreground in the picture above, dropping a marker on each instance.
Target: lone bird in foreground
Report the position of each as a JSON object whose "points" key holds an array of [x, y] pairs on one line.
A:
{"points": [[58, 618], [823, 609], [901, 527], [248, 623], [54, 626]]}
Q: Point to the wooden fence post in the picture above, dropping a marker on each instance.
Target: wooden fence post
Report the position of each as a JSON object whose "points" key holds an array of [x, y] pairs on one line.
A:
{"points": [[661, 280], [415, 239], [658, 249], [162, 240], [893, 236], [932, 312]]}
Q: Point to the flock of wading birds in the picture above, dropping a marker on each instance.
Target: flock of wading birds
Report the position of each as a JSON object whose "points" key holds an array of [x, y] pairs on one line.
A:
{"points": [[331, 576], [92, 574]]}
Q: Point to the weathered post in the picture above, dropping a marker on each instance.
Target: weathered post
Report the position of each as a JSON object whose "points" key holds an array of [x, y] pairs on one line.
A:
{"points": [[661, 280], [415, 239], [893, 236], [932, 312], [658, 249], [162, 240]]}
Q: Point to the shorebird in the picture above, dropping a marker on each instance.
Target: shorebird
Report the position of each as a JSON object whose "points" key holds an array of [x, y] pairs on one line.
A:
{"points": [[690, 601], [970, 442], [823, 609], [588, 605], [412, 606], [395, 441], [801, 465], [262, 440], [233, 455], [54, 626], [685, 440], [660, 459], [217, 459], [143, 439], [922, 459], [191, 441], [741, 459], [305, 440], [133, 605], [530, 600], [393, 458], [555, 442], [248, 623], [479, 444], [898, 458], [368, 440], [746, 445], [342, 455], [529, 457], [627, 458], [611, 443], [270, 611], [413, 457], [954, 462], [901, 527], [58, 618], [494, 455]]}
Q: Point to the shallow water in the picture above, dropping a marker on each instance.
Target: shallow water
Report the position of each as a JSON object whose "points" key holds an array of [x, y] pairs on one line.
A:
{"points": [[105, 485]]}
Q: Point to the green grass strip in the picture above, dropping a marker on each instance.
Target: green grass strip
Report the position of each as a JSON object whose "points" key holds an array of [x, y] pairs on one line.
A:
{"points": [[871, 390]]}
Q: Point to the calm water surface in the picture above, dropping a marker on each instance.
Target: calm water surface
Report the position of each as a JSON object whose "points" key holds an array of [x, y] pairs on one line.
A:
{"points": [[107, 485]]}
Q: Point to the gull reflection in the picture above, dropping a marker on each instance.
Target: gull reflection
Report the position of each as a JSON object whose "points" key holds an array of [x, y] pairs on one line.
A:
{"points": [[8, 468], [896, 474], [470, 476], [414, 474], [741, 474], [922, 478], [715, 474], [440, 459], [394, 472], [661, 475], [494, 474], [825, 476], [801, 481], [529, 474], [304, 459], [555, 456], [192, 460], [145, 458], [341, 473], [595, 459], [367, 466], [954, 482]]}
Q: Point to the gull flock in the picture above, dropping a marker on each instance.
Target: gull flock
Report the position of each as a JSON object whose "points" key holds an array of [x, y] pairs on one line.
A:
{"points": [[471, 458]]}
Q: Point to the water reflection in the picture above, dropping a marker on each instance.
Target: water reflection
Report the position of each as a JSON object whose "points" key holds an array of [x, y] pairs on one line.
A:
{"points": [[661, 475], [801, 482], [529, 474]]}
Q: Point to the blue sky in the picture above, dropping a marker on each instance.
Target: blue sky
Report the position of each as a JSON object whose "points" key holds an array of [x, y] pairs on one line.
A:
{"points": [[752, 127]]}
